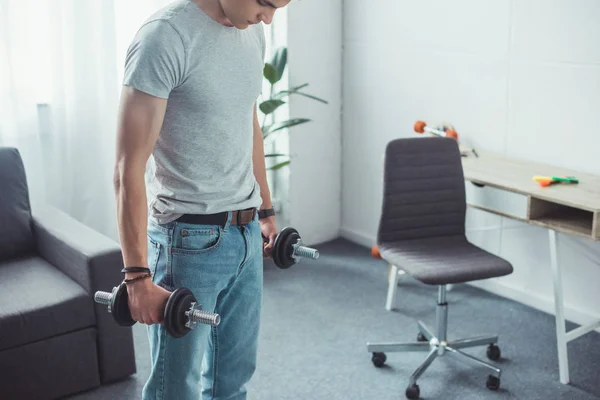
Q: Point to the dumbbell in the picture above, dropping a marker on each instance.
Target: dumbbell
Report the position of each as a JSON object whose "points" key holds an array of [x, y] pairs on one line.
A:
{"points": [[421, 127], [288, 249], [182, 312]]}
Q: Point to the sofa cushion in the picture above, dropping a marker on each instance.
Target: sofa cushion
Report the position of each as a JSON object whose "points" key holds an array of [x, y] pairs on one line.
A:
{"points": [[38, 301], [16, 236], [50, 368]]}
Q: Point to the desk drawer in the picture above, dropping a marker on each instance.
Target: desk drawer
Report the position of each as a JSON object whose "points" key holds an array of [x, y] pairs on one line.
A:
{"points": [[498, 201]]}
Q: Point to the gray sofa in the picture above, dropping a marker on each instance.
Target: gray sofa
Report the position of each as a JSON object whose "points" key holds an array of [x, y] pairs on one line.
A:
{"points": [[54, 340]]}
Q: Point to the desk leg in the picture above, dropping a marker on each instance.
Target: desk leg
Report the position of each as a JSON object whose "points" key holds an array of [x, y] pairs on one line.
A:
{"points": [[559, 309]]}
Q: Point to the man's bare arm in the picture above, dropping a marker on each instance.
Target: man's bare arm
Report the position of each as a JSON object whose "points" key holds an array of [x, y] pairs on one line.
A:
{"points": [[258, 160], [139, 122]]}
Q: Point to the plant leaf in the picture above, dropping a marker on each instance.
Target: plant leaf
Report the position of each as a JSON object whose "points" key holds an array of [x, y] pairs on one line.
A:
{"points": [[296, 90], [270, 73], [267, 130], [279, 166], [310, 96], [275, 155], [267, 107], [299, 87], [279, 62], [285, 93]]}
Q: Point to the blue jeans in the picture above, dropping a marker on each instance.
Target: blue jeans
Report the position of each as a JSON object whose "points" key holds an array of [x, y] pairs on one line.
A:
{"points": [[222, 266]]}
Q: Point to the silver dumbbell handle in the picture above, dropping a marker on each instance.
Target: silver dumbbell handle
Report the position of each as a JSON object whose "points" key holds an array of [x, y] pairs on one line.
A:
{"points": [[198, 316], [103, 298], [303, 251]]}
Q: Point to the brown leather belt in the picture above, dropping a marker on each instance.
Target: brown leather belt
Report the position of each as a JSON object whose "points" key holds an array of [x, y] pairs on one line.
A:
{"points": [[238, 217]]}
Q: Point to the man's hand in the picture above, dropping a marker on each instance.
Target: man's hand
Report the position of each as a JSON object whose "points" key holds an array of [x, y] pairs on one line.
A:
{"points": [[147, 301], [269, 232]]}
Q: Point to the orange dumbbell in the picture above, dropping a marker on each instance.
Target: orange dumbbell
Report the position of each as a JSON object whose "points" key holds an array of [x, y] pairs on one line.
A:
{"points": [[421, 127]]}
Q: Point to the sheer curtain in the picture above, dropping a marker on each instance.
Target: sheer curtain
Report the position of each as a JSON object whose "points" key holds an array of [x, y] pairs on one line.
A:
{"points": [[60, 73]]}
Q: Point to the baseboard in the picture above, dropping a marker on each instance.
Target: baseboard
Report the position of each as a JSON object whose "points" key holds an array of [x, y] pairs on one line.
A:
{"points": [[536, 301], [357, 237]]}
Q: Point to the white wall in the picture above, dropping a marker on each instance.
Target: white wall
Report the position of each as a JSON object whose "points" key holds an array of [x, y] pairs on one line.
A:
{"points": [[520, 77], [315, 43]]}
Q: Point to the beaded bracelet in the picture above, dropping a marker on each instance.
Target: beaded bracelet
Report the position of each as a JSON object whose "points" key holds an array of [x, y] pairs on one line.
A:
{"points": [[137, 278]]}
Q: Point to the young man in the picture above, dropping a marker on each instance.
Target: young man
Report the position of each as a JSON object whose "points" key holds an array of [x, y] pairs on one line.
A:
{"points": [[189, 179]]}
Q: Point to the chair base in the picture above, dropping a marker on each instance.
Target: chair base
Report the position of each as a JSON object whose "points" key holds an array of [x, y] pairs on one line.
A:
{"points": [[437, 346]]}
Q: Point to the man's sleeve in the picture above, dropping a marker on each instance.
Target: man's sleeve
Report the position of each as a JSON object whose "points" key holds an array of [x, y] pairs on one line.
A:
{"points": [[155, 61]]}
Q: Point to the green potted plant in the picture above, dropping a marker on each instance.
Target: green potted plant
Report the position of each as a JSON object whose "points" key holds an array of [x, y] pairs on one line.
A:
{"points": [[273, 72]]}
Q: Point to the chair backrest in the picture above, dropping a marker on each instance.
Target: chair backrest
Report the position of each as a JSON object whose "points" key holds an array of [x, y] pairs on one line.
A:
{"points": [[423, 190], [16, 234]]}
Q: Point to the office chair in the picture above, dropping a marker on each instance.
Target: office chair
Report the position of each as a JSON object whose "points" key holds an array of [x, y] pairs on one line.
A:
{"points": [[422, 231]]}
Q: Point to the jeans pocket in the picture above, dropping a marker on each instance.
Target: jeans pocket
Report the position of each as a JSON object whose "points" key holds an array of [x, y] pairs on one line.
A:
{"points": [[153, 255], [198, 240]]}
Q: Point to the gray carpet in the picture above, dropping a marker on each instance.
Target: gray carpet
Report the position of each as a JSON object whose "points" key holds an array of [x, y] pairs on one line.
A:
{"points": [[319, 315]]}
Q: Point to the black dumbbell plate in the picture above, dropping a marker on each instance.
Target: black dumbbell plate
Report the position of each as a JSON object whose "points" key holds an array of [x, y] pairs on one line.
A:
{"points": [[179, 302], [282, 254], [119, 307]]}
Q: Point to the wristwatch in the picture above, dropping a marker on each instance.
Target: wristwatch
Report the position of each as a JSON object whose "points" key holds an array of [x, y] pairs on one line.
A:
{"points": [[267, 212]]}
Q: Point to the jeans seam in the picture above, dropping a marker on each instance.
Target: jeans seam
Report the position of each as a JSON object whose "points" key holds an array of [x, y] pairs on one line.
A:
{"points": [[163, 351], [215, 363], [169, 267], [248, 254]]}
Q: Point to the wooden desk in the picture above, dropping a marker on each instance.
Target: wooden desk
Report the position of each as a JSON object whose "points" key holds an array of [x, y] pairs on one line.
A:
{"points": [[505, 187]]}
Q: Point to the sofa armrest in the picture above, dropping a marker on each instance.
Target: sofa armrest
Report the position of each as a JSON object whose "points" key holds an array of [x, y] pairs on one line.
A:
{"points": [[94, 261], [89, 258]]}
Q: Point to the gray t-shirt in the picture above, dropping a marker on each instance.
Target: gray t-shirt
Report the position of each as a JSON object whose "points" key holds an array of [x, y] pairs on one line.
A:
{"points": [[212, 76]]}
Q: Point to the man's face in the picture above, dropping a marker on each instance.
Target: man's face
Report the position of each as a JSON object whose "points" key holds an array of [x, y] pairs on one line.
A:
{"points": [[242, 13]]}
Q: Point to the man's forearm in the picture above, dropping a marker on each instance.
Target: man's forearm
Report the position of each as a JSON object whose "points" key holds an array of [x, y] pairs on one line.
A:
{"points": [[132, 214]]}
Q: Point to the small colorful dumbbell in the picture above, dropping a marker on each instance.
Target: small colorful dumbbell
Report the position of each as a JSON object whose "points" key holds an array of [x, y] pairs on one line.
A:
{"points": [[421, 127]]}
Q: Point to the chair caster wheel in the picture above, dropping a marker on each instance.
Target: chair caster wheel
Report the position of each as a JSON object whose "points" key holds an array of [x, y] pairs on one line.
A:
{"points": [[493, 352], [421, 338], [378, 359], [413, 392], [493, 383]]}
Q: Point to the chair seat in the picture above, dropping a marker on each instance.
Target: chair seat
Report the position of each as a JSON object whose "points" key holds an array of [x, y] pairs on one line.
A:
{"points": [[444, 260], [38, 301]]}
